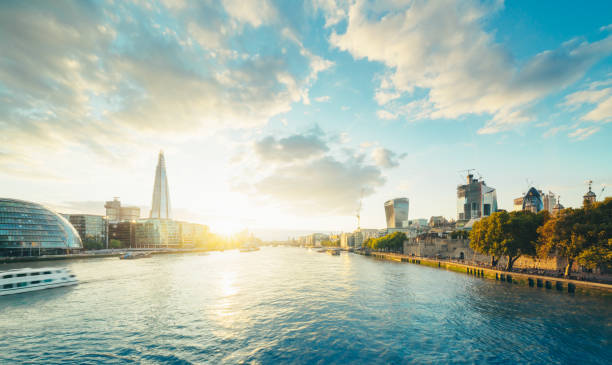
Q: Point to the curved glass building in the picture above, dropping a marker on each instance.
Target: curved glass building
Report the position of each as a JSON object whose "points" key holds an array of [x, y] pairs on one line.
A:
{"points": [[533, 201], [30, 229]]}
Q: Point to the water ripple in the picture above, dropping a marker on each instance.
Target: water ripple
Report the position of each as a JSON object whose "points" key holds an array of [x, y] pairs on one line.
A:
{"points": [[287, 305]]}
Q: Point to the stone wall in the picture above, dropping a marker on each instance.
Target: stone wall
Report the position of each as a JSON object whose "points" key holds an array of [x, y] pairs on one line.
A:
{"points": [[456, 249]]}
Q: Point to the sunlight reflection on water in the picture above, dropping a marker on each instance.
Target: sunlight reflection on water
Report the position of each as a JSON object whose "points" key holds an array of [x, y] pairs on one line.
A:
{"points": [[296, 306]]}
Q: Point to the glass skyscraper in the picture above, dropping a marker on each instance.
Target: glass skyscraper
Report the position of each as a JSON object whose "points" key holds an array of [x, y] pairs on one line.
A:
{"points": [[160, 206], [396, 212], [532, 201]]}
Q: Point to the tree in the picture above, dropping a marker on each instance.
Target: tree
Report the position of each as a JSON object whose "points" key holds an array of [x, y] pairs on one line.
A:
{"points": [[114, 243], [92, 244], [390, 242], [511, 234], [581, 235], [328, 243], [482, 237]]}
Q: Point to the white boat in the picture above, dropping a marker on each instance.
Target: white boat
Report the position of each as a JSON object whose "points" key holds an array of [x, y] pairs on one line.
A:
{"points": [[28, 279]]}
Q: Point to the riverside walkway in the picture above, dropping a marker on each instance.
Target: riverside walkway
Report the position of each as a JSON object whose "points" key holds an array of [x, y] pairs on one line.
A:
{"points": [[531, 280]]}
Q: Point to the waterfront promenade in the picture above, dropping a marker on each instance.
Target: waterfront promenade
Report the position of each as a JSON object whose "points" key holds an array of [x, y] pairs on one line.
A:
{"points": [[532, 280]]}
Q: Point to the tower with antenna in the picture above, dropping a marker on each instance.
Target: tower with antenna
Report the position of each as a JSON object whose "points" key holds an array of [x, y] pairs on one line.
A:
{"points": [[359, 211]]}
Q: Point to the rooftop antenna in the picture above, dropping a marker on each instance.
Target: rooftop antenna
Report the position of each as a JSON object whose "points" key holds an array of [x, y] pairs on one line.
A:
{"points": [[359, 211]]}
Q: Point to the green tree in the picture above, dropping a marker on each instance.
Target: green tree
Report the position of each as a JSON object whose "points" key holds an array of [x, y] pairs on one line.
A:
{"points": [[581, 235], [506, 234], [114, 243], [92, 244], [328, 243], [390, 242]]}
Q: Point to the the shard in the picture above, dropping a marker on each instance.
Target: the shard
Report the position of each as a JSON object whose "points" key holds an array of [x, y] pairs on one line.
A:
{"points": [[160, 206]]}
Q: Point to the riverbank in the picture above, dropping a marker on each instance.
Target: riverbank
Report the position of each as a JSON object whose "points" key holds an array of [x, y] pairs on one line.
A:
{"points": [[534, 281], [95, 254]]}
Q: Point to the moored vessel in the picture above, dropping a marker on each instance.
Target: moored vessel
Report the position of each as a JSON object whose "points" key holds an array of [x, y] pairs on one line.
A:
{"points": [[132, 256], [28, 279]]}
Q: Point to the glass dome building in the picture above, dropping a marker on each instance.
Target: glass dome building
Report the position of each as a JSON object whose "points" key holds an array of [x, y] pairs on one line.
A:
{"points": [[30, 229]]}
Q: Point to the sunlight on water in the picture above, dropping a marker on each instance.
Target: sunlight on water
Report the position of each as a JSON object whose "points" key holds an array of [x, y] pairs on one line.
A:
{"points": [[290, 305]]}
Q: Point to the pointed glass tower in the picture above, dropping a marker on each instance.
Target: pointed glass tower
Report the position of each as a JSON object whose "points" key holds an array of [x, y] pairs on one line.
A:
{"points": [[160, 206]]}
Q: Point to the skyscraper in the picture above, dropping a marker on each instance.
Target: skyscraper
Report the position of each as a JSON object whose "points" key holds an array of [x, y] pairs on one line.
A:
{"points": [[475, 200], [396, 212], [160, 206]]}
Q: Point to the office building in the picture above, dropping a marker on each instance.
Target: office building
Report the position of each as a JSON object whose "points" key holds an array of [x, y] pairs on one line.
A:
{"points": [[396, 212], [160, 205], [123, 232], [156, 233], [28, 229], [116, 213], [192, 234], [90, 227], [532, 201], [475, 200]]}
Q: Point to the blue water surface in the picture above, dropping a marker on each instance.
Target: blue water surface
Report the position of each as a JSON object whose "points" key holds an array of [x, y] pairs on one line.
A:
{"points": [[291, 305]]}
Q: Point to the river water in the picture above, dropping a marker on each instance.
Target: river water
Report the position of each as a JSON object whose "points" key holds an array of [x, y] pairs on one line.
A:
{"points": [[291, 305]]}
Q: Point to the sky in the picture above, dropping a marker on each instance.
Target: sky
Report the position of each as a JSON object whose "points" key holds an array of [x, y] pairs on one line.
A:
{"points": [[284, 115]]}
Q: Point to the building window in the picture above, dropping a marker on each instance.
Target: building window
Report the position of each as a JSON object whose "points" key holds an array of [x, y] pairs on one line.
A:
{"points": [[7, 276], [36, 282], [7, 286]]}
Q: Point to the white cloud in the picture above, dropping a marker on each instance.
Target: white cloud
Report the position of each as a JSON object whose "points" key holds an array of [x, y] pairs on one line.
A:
{"points": [[295, 147], [386, 158], [66, 81], [384, 114], [334, 11], [322, 99], [441, 47], [254, 12], [581, 134], [303, 173], [600, 97]]}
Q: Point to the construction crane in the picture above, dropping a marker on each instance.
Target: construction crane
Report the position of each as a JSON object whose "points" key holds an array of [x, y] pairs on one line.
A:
{"points": [[467, 172], [359, 211]]}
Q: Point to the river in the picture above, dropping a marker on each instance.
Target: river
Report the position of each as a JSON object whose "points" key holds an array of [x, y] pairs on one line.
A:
{"points": [[292, 305]]}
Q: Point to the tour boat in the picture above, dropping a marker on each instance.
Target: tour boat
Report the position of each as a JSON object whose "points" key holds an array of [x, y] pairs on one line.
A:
{"points": [[28, 279], [333, 252]]}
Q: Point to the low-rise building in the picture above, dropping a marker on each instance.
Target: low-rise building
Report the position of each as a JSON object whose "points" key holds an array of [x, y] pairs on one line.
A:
{"points": [[193, 234], [91, 228], [156, 233]]}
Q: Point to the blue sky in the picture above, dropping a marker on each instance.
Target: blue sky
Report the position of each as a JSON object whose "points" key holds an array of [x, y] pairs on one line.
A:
{"points": [[276, 114]]}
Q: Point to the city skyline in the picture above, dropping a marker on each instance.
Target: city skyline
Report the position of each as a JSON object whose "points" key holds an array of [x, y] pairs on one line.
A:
{"points": [[290, 136]]}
